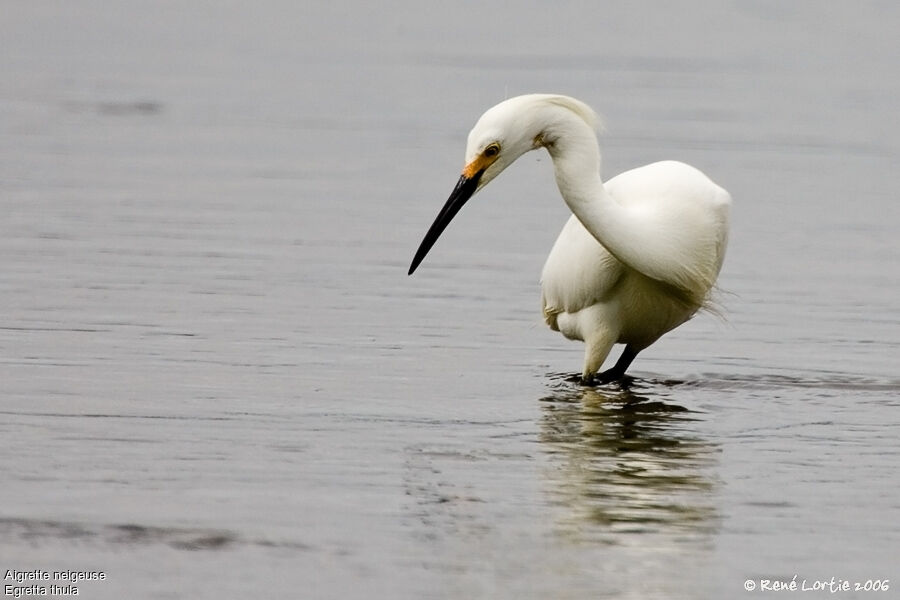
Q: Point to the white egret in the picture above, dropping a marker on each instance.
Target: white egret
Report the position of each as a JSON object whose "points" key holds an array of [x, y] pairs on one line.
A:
{"points": [[641, 252]]}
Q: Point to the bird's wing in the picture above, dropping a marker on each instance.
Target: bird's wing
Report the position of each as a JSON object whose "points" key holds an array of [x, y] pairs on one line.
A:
{"points": [[683, 219], [578, 273]]}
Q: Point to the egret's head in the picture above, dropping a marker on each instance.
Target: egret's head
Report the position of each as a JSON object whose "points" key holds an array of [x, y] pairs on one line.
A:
{"points": [[510, 129], [502, 134]]}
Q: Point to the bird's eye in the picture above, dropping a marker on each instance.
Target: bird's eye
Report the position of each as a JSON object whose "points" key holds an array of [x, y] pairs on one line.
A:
{"points": [[492, 150]]}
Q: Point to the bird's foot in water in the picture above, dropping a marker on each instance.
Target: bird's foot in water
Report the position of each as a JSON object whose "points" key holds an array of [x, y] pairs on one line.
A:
{"points": [[616, 373], [605, 377], [597, 379]]}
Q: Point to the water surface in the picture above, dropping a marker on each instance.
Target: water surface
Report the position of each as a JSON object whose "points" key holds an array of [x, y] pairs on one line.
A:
{"points": [[218, 381]]}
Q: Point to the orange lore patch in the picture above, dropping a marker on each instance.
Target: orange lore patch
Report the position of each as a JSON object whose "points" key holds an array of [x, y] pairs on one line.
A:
{"points": [[480, 163]]}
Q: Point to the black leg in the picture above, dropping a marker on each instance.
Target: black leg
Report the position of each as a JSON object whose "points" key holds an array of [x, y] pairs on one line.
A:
{"points": [[618, 371]]}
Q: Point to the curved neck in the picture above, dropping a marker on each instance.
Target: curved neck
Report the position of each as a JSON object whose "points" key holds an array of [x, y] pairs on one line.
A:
{"points": [[626, 232]]}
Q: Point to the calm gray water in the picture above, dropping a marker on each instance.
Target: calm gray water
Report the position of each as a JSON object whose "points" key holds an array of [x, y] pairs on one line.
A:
{"points": [[218, 382]]}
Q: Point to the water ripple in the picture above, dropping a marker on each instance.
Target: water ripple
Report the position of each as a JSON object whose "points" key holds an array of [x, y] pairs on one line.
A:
{"points": [[36, 531]]}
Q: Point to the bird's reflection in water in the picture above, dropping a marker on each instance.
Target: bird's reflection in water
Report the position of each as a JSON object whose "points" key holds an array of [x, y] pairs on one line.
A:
{"points": [[625, 461]]}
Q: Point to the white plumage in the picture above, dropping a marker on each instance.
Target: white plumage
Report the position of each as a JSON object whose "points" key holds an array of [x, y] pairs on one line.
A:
{"points": [[640, 254]]}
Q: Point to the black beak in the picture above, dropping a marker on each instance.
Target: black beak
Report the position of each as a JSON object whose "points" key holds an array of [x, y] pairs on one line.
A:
{"points": [[464, 189]]}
